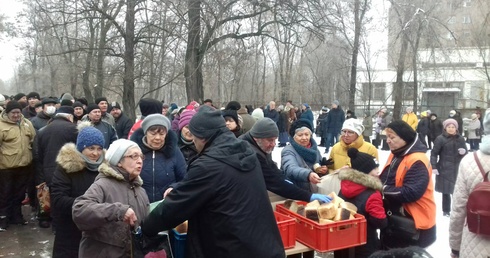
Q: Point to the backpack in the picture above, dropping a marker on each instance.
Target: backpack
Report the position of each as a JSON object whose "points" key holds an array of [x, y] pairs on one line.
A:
{"points": [[478, 205]]}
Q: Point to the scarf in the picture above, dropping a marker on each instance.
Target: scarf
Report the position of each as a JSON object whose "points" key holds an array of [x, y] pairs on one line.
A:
{"points": [[90, 165], [308, 154]]}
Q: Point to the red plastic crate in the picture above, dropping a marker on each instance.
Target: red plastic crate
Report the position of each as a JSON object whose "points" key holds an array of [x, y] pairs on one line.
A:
{"points": [[287, 228], [328, 237]]}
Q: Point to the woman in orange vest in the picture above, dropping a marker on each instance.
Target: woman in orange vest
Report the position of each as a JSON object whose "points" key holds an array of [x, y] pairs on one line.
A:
{"points": [[407, 186]]}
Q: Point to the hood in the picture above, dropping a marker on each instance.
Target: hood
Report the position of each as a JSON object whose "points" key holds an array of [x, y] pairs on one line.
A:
{"points": [[225, 147], [150, 106], [69, 158], [106, 170], [4, 118], [354, 182], [168, 149], [417, 146]]}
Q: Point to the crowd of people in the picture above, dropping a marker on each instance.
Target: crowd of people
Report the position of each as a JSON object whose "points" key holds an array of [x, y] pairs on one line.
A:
{"points": [[213, 168]]}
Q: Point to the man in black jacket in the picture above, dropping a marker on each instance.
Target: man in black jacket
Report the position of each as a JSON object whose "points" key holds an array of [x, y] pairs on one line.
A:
{"points": [[262, 137], [223, 196], [123, 123]]}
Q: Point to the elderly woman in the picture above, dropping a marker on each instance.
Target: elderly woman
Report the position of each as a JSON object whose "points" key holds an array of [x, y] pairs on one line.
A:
{"points": [[77, 167], [407, 186], [300, 160], [449, 149], [164, 163], [113, 205]]}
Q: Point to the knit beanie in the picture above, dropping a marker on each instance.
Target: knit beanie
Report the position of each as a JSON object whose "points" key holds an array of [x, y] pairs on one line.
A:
{"points": [[91, 107], [88, 136], [185, 118], [354, 125], [77, 104], [65, 110], [66, 102], [264, 128], [205, 123], [448, 122], [13, 104], [361, 161], [150, 106], [155, 119], [258, 114], [298, 124], [83, 101], [19, 96], [230, 113], [67, 96], [99, 99], [33, 95], [233, 105], [117, 150], [403, 130], [336, 102]]}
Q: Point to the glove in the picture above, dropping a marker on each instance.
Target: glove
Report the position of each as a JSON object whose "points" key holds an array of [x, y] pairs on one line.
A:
{"points": [[320, 197], [461, 151], [326, 162], [435, 172]]}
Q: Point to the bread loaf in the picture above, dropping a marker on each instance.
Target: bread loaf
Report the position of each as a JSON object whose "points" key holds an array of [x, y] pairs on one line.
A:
{"points": [[325, 221], [342, 214], [291, 205], [335, 198], [301, 210], [327, 211], [349, 206], [314, 203], [311, 212]]}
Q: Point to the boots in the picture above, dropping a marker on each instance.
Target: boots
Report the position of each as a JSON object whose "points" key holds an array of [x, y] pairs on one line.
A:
{"points": [[3, 223]]}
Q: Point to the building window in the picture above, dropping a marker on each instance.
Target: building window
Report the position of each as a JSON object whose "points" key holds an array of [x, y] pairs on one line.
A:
{"points": [[451, 20], [466, 19], [377, 91]]}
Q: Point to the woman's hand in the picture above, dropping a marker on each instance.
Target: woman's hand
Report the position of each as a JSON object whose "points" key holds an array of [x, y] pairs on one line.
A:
{"points": [[130, 217], [167, 192], [314, 178]]}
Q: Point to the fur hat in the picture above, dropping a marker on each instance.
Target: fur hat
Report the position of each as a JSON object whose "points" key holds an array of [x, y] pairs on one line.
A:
{"points": [[264, 128], [206, 123], [361, 161], [33, 95], [13, 104], [448, 122], [354, 125], [91, 107], [117, 150], [403, 130], [88, 136], [298, 124], [155, 119], [186, 117]]}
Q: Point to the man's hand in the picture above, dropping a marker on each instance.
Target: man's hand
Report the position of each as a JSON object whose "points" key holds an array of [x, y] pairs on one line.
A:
{"points": [[314, 178], [167, 192]]}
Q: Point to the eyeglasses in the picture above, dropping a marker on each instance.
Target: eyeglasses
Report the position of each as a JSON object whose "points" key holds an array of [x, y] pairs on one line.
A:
{"points": [[345, 132], [135, 156]]}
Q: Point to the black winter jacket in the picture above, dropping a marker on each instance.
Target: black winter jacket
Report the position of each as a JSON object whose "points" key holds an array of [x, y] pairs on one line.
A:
{"points": [[49, 141], [70, 180], [40, 121], [123, 126], [275, 180], [435, 128], [188, 150], [224, 198]]}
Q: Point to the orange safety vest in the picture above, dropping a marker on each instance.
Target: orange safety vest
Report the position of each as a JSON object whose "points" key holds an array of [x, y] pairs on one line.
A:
{"points": [[423, 210]]}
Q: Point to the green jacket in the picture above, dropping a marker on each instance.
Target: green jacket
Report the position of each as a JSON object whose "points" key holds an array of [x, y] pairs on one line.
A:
{"points": [[15, 142]]}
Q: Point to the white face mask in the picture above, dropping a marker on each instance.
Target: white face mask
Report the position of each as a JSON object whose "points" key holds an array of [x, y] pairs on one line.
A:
{"points": [[50, 110]]}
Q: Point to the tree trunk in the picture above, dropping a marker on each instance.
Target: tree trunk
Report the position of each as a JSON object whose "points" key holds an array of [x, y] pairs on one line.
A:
{"points": [[193, 55], [88, 65], [355, 52], [128, 80], [398, 87]]}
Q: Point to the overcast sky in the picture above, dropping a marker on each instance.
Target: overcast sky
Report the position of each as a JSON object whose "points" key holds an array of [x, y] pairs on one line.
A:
{"points": [[8, 51]]}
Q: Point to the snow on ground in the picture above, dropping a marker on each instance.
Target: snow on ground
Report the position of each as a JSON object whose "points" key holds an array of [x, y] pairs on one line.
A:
{"points": [[440, 248]]}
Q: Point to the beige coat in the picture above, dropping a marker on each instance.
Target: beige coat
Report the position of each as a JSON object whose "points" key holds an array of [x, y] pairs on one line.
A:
{"points": [[460, 238], [15, 142]]}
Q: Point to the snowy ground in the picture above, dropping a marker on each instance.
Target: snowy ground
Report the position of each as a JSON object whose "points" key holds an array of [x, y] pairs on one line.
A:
{"points": [[441, 247]]}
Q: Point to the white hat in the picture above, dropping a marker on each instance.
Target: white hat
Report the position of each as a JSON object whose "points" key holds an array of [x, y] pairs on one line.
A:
{"points": [[117, 150], [354, 125]]}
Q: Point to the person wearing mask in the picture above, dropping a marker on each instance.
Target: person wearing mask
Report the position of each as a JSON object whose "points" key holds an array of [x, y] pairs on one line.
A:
{"points": [[410, 118], [164, 164], [114, 205], [464, 243], [360, 186], [42, 118], [300, 161], [223, 193], [123, 123], [407, 186], [16, 137], [77, 167], [435, 129], [30, 110], [94, 116], [449, 149]]}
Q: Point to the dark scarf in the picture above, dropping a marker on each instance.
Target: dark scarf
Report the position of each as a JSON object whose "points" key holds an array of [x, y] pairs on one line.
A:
{"points": [[308, 154]]}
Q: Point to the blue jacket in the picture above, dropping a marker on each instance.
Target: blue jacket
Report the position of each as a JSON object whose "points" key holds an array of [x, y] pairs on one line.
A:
{"points": [[162, 167], [333, 123], [308, 114], [296, 168]]}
